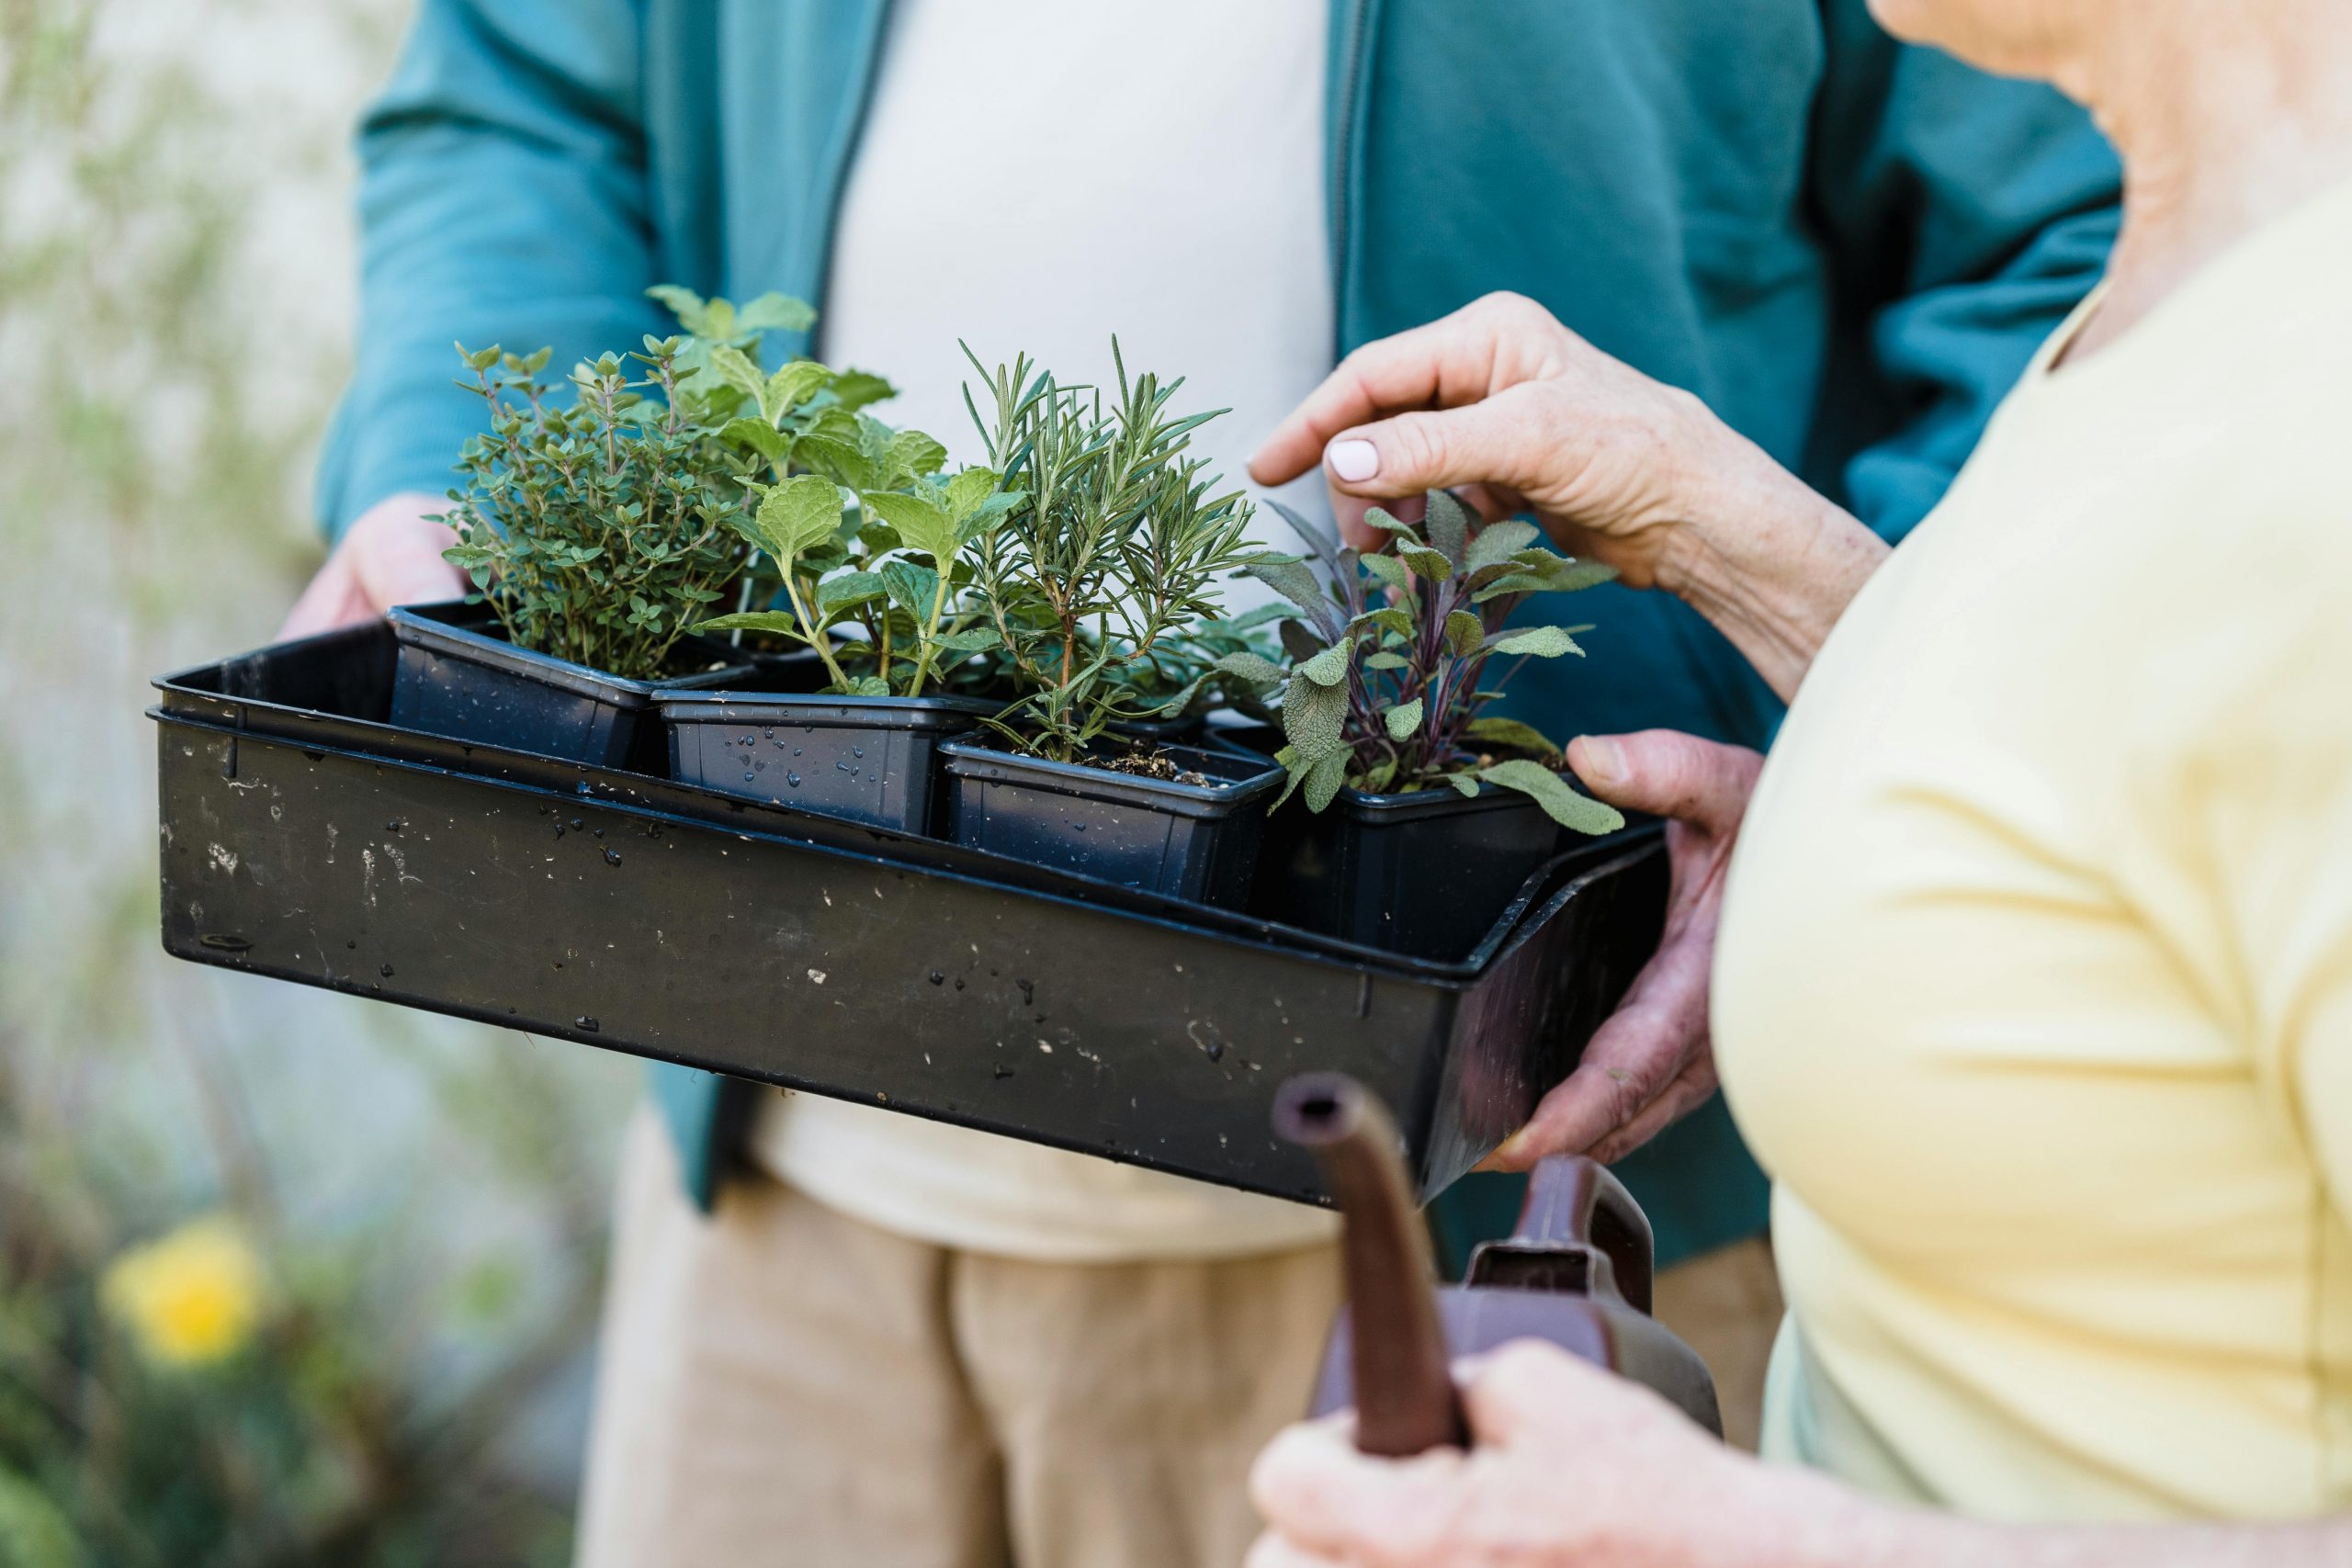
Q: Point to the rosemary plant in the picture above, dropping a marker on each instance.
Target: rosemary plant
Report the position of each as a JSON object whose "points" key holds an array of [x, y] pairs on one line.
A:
{"points": [[1390, 651], [1106, 555]]}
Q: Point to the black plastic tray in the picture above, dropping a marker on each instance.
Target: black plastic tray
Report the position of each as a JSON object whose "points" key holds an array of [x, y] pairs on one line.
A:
{"points": [[303, 839]]}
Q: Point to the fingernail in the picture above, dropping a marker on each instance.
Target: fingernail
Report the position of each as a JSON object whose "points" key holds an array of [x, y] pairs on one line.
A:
{"points": [[1602, 764], [1354, 461]]}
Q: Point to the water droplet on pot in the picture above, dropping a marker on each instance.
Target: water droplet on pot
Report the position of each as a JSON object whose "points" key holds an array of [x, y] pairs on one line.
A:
{"points": [[394, 826], [959, 982], [385, 970], [612, 857], [792, 779], [747, 778], [586, 1025], [582, 788], [857, 751], [937, 978], [575, 824], [1001, 1072]]}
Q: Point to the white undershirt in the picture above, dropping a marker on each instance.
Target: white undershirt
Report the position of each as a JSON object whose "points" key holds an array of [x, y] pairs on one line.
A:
{"points": [[1035, 176]]}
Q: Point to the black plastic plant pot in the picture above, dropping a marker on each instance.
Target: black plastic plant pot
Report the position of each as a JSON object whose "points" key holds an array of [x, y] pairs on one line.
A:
{"points": [[458, 679], [1192, 841], [1421, 874], [871, 760]]}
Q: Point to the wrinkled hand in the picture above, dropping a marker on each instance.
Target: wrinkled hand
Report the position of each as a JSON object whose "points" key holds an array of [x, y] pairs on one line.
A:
{"points": [[390, 555], [1502, 401], [1570, 1466], [1653, 1062]]}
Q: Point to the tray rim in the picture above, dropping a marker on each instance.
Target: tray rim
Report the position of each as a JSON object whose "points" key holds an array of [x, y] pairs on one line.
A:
{"points": [[1526, 913]]}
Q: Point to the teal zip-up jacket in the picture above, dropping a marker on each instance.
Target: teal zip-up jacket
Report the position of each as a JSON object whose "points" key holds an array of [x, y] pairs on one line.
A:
{"points": [[1848, 248]]}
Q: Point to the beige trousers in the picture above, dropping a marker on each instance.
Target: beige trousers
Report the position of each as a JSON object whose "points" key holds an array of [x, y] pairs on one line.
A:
{"points": [[780, 1383]]}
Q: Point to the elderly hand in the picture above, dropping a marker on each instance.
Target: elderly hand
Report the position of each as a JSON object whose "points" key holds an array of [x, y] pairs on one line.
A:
{"points": [[1570, 1466], [1500, 397], [390, 555], [1653, 1062]]}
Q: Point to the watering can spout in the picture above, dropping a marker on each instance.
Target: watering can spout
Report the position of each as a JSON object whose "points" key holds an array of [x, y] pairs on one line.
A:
{"points": [[1576, 1273], [1398, 1360]]}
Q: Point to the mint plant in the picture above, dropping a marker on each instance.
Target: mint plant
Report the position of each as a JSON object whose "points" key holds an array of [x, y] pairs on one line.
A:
{"points": [[1104, 552], [597, 532], [1387, 684]]}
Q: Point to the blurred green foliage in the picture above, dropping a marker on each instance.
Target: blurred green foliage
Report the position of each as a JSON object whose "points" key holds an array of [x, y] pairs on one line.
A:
{"points": [[425, 1200]]}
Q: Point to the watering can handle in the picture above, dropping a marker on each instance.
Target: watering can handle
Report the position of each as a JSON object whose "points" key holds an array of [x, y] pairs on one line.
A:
{"points": [[1575, 1206]]}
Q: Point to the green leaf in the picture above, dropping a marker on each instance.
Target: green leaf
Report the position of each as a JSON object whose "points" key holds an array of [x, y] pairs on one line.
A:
{"points": [[1296, 582], [915, 455], [1425, 563], [1330, 667], [792, 386], [1578, 813], [1403, 721], [1463, 633], [856, 388], [911, 587], [1250, 667], [869, 686], [1512, 733], [1541, 642], [847, 592], [684, 304], [923, 523], [966, 491], [1390, 572], [1312, 718], [759, 435], [1497, 542], [1388, 617], [774, 312], [1447, 525], [1384, 660], [776, 623], [735, 367], [1518, 582], [799, 515], [1583, 574], [1324, 779], [836, 459], [1464, 785], [973, 639], [1379, 517]]}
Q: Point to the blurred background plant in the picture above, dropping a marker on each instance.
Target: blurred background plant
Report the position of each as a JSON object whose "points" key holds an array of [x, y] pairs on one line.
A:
{"points": [[285, 1278]]}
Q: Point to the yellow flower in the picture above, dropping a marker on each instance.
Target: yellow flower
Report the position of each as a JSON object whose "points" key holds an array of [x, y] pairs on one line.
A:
{"points": [[188, 1298]]}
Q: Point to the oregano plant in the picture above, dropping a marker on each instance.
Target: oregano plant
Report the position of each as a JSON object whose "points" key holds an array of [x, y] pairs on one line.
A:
{"points": [[600, 530], [1391, 654], [1104, 552]]}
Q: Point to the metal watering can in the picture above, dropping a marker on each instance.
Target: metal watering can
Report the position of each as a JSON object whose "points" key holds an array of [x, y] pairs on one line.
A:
{"points": [[1576, 1273]]}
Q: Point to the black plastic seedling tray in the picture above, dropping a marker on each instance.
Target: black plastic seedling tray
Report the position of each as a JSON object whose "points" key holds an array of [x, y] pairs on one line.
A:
{"points": [[304, 838]]}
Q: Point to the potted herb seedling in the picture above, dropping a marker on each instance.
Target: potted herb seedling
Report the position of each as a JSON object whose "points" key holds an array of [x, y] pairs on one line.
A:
{"points": [[595, 532], [1425, 812], [1107, 555], [850, 531]]}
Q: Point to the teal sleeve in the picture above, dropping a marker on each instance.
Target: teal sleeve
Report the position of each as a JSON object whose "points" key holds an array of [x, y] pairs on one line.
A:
{"points": [[502, 198], [1967, 216]]}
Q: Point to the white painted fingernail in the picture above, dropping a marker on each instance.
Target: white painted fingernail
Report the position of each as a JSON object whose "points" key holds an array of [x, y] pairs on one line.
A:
{"points": [[1354, 461]]}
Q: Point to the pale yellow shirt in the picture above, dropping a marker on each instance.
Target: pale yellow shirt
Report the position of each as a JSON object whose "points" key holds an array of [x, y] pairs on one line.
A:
{"points": [[2035, 985]]}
